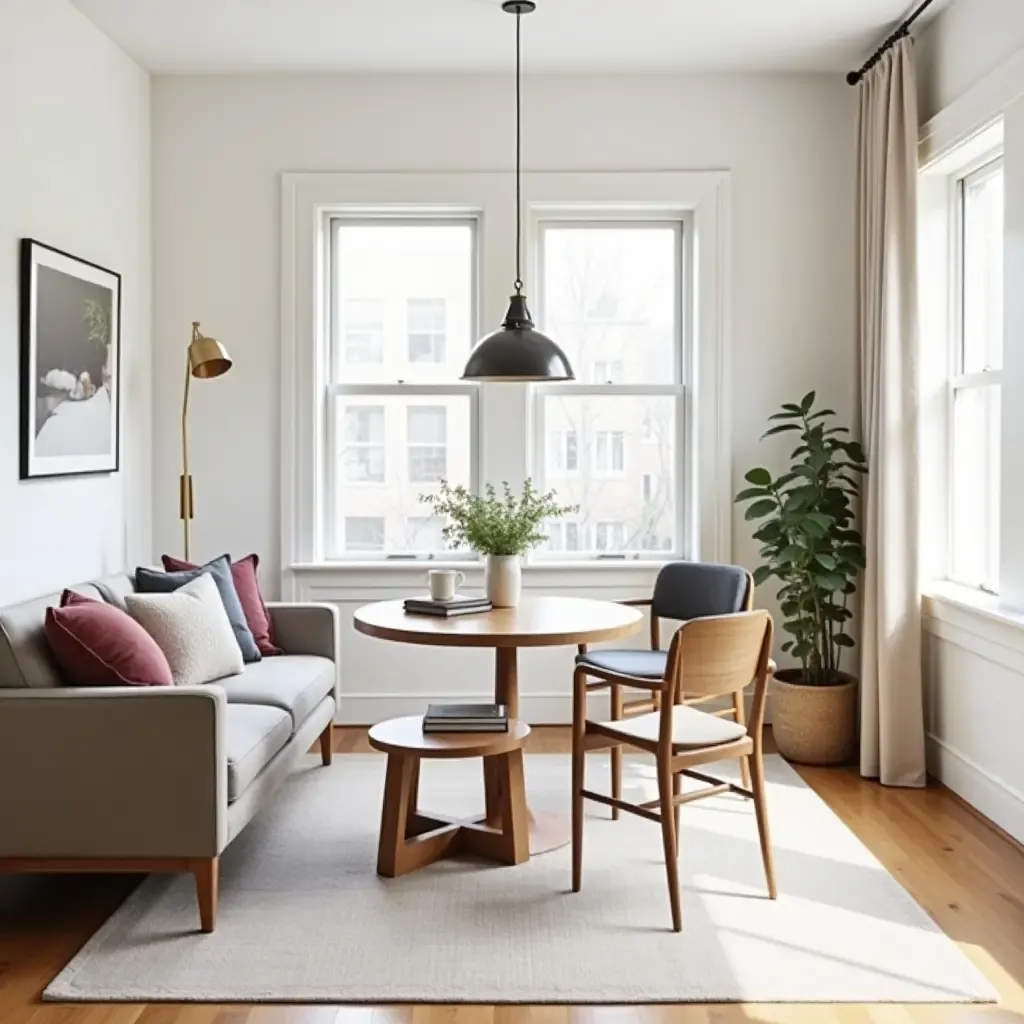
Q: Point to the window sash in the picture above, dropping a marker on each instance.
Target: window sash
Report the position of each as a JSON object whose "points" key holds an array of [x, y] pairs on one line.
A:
{"points": [[332, 525]]}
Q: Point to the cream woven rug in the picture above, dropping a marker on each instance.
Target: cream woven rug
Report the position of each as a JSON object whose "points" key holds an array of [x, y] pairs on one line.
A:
{"points": [[304, 918]]}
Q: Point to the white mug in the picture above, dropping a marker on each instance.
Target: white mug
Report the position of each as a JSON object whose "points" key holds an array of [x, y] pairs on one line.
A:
{"points": [[444, 582]]}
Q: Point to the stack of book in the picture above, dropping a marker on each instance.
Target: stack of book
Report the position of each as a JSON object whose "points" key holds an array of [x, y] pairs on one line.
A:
{"points": [[466, 718], [458, 605]]}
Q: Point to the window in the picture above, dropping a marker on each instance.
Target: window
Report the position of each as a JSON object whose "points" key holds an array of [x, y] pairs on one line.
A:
{"points": [[613, 295], [975, 385], [563, 456], [364, 533], [399, 418], [363, 331], [426, 319], [363, 454], [606, 371], [609, 452], [611, 537], [427, 444], [424, 533]]}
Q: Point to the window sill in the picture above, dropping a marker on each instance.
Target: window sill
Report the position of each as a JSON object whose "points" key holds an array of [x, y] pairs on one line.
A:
{"points": [[477, 566], [976, 621]]}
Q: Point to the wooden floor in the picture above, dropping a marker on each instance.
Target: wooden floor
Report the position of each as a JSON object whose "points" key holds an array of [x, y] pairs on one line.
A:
{"points": [[967, 875]]}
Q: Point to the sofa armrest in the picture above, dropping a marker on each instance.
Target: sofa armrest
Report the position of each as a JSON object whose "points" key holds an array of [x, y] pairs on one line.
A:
{"points": [[113, 772], [305, 628]]}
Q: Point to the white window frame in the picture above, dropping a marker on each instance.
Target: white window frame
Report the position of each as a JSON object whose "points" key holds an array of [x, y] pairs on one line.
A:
{"points": [[686, 508], [959, 381], [502, 412]]}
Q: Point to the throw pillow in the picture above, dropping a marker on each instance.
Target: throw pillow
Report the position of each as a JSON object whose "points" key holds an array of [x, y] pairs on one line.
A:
{"points": [[96, 644], [192, 629], [151, 581], [244, 573]]}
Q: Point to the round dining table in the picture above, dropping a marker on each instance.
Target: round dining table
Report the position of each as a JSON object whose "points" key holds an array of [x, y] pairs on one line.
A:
{"points": [[534, 622]]}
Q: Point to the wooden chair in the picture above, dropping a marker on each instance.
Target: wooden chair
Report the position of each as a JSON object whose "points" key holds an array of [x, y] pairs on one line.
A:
{"points": [[682, 591], [710, 657]]}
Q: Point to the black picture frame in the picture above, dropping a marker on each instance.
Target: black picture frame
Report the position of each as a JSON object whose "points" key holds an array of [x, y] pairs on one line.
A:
{"points": [[70, 364]]}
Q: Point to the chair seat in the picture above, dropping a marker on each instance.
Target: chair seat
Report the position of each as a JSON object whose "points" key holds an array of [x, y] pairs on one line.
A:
{"points": [[641, 664], [691, 729]]}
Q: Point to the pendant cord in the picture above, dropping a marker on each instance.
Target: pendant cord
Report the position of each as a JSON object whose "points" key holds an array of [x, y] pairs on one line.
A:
{"points": [[519, 145]]}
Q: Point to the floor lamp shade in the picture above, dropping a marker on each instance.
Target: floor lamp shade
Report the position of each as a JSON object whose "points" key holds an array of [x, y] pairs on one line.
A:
{"points": [[206, 358]]}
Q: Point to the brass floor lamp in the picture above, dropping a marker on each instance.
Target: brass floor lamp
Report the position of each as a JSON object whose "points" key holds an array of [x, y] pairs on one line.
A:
{"points": [[207, 358]]}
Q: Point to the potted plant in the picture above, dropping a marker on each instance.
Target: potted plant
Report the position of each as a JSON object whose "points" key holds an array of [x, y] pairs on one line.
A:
{"points": [[501, 529], [811, 545]]}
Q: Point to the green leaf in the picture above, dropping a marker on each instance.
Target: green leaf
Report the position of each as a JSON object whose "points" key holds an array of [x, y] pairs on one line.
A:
{"points": [[826, 561], [758, 477], [807, 402], [761, 508], [779, 430], [823, 412], [762, 574], [752, 492], [842, 640], [791, 413]]}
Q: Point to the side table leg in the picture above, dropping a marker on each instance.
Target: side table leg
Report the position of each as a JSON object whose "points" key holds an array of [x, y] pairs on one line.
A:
{"points": [[394, 817]]}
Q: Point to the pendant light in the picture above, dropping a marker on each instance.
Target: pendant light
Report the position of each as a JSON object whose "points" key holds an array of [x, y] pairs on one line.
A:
{"points": [[518, 352]]}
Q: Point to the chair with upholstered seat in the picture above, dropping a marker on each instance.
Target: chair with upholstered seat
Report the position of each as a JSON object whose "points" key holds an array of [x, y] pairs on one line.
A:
{"points": [[714, 656], [682, 591]]}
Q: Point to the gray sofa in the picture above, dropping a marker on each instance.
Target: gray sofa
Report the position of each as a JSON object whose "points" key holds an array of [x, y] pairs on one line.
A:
{"points": [[152, 779]]}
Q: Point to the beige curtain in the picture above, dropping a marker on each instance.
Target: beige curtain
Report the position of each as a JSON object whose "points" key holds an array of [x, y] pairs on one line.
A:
{"points": [[892, 719]]}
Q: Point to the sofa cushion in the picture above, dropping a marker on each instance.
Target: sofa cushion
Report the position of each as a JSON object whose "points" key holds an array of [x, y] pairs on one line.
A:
{"points": [[253, 734], [96, 644], [295, 683], [25, 656]]}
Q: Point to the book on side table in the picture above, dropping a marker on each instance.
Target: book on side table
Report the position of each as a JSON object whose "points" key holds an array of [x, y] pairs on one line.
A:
{"points": [[459, 605], [466, 718]]}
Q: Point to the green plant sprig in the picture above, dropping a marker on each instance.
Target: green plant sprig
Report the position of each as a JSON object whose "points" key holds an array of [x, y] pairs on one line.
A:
{"points": [[495, 525], [808, 535]]}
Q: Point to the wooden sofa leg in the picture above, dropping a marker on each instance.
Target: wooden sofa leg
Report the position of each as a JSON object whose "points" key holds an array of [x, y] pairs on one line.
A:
{"points": [[327, 744], [207, 875]]}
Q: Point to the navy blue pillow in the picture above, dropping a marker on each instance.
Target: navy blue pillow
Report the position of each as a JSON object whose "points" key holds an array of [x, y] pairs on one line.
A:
{"points": [[152, 581]]}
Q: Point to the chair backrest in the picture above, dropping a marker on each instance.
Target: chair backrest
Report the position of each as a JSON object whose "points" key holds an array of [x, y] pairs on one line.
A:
{"points": [[693, 590], [718, 655]]}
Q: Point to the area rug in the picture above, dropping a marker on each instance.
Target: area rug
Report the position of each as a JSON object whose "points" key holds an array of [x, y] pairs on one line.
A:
{"points": [[304, 917]]}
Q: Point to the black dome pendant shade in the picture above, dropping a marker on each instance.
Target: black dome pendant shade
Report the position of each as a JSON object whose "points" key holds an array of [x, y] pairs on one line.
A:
{"points": [[517, 352]]}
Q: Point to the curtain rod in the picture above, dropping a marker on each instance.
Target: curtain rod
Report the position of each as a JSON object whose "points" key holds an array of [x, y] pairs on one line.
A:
{"points": [[901, 32]]}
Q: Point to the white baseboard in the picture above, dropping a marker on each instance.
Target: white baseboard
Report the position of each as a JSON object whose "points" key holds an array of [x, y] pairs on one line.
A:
{"points": [[991, 796]]}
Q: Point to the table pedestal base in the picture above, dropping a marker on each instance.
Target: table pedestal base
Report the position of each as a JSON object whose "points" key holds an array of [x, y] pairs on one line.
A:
{"points": [[410, 839]]}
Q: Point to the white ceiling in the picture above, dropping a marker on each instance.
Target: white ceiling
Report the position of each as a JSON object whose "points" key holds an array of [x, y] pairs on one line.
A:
{"points": [[474, 35]]}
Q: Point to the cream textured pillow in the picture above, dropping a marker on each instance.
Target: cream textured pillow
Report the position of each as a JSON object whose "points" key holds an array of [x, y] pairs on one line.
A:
{"points": [[192, 628]]}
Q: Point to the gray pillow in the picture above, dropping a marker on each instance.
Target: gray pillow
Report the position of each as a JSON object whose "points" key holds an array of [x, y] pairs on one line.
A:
{"points": [[152, 581]]}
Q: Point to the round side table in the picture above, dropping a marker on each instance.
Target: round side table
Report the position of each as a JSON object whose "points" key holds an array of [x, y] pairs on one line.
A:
{"points": [[410, 839]]}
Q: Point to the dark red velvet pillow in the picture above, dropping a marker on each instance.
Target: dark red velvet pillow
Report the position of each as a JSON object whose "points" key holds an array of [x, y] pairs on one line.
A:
{"points": [[97, 644], [257, 618]]}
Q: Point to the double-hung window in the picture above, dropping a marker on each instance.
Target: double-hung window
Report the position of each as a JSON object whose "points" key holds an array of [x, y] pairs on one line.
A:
{"points": [[612, 292], [976, 377], [402, 321]]}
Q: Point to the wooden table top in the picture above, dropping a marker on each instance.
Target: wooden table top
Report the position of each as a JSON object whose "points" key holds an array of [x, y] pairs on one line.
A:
{"points": [[406, 736], [536, 622]]}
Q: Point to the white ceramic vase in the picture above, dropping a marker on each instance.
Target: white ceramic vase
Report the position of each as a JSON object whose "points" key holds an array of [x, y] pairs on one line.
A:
{"points": [[503, 579]]}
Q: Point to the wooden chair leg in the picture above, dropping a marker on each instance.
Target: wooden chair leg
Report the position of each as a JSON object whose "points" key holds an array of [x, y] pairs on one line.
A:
{"points": [[616, 760], [579, 724], [327, 744], [206, 871], [761, 810], [669, 839], [677, 790], [740, 713]]}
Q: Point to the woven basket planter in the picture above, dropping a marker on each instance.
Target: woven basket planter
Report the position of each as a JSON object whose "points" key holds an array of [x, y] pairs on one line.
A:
{"points": [[814, 724]]}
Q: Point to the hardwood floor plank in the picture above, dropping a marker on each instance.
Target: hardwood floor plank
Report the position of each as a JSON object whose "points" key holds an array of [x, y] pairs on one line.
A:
{"points": [[967, 875]]}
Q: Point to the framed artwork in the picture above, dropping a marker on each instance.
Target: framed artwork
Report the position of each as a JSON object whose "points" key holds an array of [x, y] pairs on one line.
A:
{"points": [[70, 364]]}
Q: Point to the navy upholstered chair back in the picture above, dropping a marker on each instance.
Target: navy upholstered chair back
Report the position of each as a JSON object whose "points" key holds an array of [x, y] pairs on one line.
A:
{"points": [[691, 590]]}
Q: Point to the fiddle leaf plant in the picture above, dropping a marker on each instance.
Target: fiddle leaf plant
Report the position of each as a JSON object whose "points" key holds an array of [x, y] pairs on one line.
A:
{"points": [[808, 534]]}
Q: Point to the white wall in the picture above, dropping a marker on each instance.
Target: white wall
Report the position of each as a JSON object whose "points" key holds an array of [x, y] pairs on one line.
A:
{"points": [[220, 146], [75, 174], [221, 143], [971, 64], [962, 46]]}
